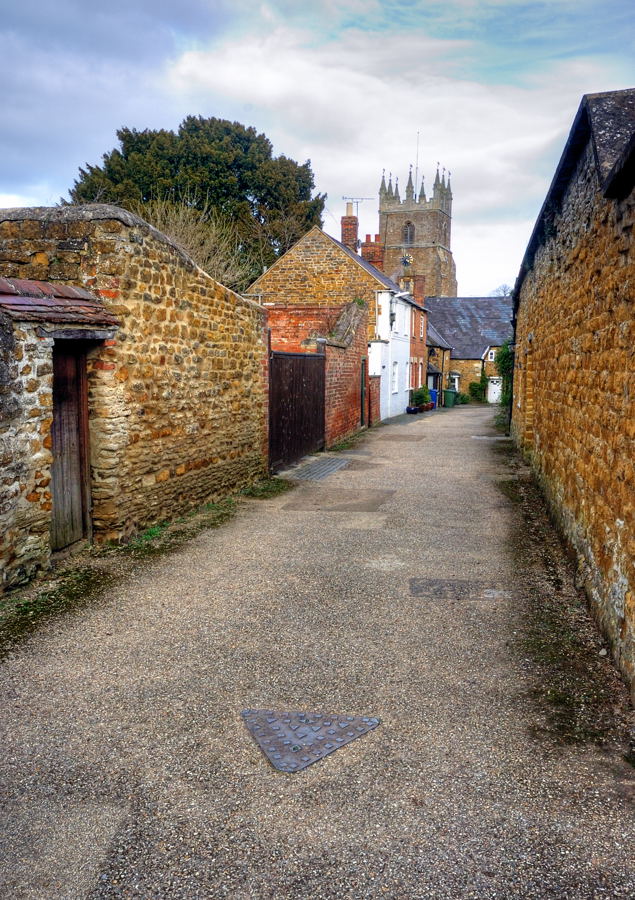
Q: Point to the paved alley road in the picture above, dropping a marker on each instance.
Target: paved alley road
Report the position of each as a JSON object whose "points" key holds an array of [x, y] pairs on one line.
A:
{"points": [[387, 589]]}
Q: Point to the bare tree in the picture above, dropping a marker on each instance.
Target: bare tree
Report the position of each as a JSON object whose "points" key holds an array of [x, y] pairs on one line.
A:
{"points": [[211, 239], [503, 290]]}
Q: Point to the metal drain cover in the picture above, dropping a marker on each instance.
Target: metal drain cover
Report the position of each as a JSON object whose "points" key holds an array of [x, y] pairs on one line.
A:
{"points": [[291, 741], [317, 469]]}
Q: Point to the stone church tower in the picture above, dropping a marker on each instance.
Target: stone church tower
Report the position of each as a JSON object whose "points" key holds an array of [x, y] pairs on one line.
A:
{"points": [[413, 244]]}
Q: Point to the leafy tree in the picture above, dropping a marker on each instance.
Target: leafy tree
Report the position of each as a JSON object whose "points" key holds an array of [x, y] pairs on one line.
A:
{"points": [[504, 362], [210, 164]]}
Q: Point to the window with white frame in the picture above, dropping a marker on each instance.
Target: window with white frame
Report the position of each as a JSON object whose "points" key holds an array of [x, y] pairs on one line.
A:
{"points": [[421, 324], [491, 356], [395, 377]]}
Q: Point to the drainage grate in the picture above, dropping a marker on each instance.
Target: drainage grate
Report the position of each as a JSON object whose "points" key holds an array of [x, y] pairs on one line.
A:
{"points": [[317, 469], [291, 741], [456, 589]]}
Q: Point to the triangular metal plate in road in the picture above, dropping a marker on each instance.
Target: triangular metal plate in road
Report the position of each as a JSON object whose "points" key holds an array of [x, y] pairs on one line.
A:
{"points": [[291, 741]]}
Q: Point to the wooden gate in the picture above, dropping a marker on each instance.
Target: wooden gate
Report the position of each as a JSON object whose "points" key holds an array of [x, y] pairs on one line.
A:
{"points": [[296, 406], [69, 434]]}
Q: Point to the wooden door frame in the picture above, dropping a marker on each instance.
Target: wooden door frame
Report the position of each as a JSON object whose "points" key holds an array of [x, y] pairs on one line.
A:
{"points": [[77, 346]]}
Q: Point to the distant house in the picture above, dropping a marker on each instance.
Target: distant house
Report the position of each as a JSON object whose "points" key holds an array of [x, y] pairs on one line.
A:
{"points": [[438, 365], [574, 381], [475, 327], [133, 386], [325, 275]]}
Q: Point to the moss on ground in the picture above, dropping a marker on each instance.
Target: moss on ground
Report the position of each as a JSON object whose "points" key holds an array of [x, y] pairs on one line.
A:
{"points": [[579, 692]]}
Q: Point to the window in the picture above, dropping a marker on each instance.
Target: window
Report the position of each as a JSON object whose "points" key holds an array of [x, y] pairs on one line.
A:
{"points": [[395, 377], [491, 356], [408, 233], [420, 325], [420, 374]]}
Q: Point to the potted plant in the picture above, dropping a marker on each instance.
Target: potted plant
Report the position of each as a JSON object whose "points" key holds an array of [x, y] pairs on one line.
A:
{"points": [[420, 397]]}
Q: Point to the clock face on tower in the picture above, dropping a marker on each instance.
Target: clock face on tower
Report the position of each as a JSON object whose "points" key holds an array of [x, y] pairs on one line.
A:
{"points": [[406, 259]]}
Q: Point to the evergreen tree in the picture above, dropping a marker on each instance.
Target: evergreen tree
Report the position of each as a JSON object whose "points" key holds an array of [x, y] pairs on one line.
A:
{"points": [[210, 164]]}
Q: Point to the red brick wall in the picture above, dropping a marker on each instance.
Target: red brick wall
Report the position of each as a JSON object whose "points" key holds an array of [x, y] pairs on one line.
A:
{"points": [[294, 329], [418, 349], [344, 388], [373, 252]]}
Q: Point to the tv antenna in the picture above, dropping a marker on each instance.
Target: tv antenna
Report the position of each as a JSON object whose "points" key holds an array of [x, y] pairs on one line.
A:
{"points": [[357, 201]]}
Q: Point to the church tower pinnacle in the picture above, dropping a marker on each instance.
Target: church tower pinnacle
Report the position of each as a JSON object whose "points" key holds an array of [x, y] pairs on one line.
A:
{"points": [[415, 236]]}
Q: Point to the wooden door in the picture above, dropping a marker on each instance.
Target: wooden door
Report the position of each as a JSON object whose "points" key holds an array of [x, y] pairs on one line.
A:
{"points": [[296, 406], [69, 433]]}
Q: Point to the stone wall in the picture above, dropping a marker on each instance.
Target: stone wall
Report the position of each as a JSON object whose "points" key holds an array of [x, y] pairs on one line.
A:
{"points": [[469, 370], [178, 403], [26, 382], [317, 272], [574, 390]]}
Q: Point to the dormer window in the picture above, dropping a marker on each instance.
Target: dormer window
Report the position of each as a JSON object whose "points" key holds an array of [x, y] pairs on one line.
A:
{"points": [[408, 234]]}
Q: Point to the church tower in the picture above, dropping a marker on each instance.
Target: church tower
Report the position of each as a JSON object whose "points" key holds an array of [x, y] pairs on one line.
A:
{"points": [[414, 238]]}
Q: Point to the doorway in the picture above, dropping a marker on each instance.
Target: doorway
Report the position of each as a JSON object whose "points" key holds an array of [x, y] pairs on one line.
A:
{"points": [[70, 519]]}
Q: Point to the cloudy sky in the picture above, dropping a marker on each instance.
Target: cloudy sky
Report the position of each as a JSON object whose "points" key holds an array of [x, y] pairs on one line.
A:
{"points": [[491, 86]]}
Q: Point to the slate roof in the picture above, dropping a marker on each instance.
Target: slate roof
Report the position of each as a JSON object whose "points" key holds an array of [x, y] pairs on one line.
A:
{"points": [[471, 324], [41, 301], [434, 339], [608, 121]]}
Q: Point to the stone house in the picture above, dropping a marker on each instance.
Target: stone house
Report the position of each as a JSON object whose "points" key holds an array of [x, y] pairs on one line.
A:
{"points": [[475, 327], [574, 380], [321, 273], [154, 375]]}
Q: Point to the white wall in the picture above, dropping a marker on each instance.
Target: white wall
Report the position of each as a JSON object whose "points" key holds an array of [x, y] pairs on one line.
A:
{"points": [[393, 347]]}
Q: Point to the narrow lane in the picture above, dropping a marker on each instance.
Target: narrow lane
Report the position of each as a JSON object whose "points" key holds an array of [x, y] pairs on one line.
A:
{"points": [[387, 589]]}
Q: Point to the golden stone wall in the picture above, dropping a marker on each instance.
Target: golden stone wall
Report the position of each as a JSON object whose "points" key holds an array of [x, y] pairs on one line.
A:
{"points": [[26, 402], [317, 272], [178, 403], [469, 370], [574, 392]]}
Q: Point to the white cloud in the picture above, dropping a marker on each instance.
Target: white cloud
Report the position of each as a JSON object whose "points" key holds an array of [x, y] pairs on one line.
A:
{"points": [[354, 106], [35, 197]]}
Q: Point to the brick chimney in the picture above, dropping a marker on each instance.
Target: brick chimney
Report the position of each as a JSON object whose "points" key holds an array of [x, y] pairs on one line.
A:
{"points": [[350, 227], [373, 252]]}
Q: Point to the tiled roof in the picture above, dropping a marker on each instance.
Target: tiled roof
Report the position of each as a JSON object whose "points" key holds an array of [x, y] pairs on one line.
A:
{"points": [[387, 282], [41, 301], [471, 324]]}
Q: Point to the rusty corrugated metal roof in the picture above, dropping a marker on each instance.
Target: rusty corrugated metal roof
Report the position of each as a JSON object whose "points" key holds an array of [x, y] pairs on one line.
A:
{"points": [[42, 301]]}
